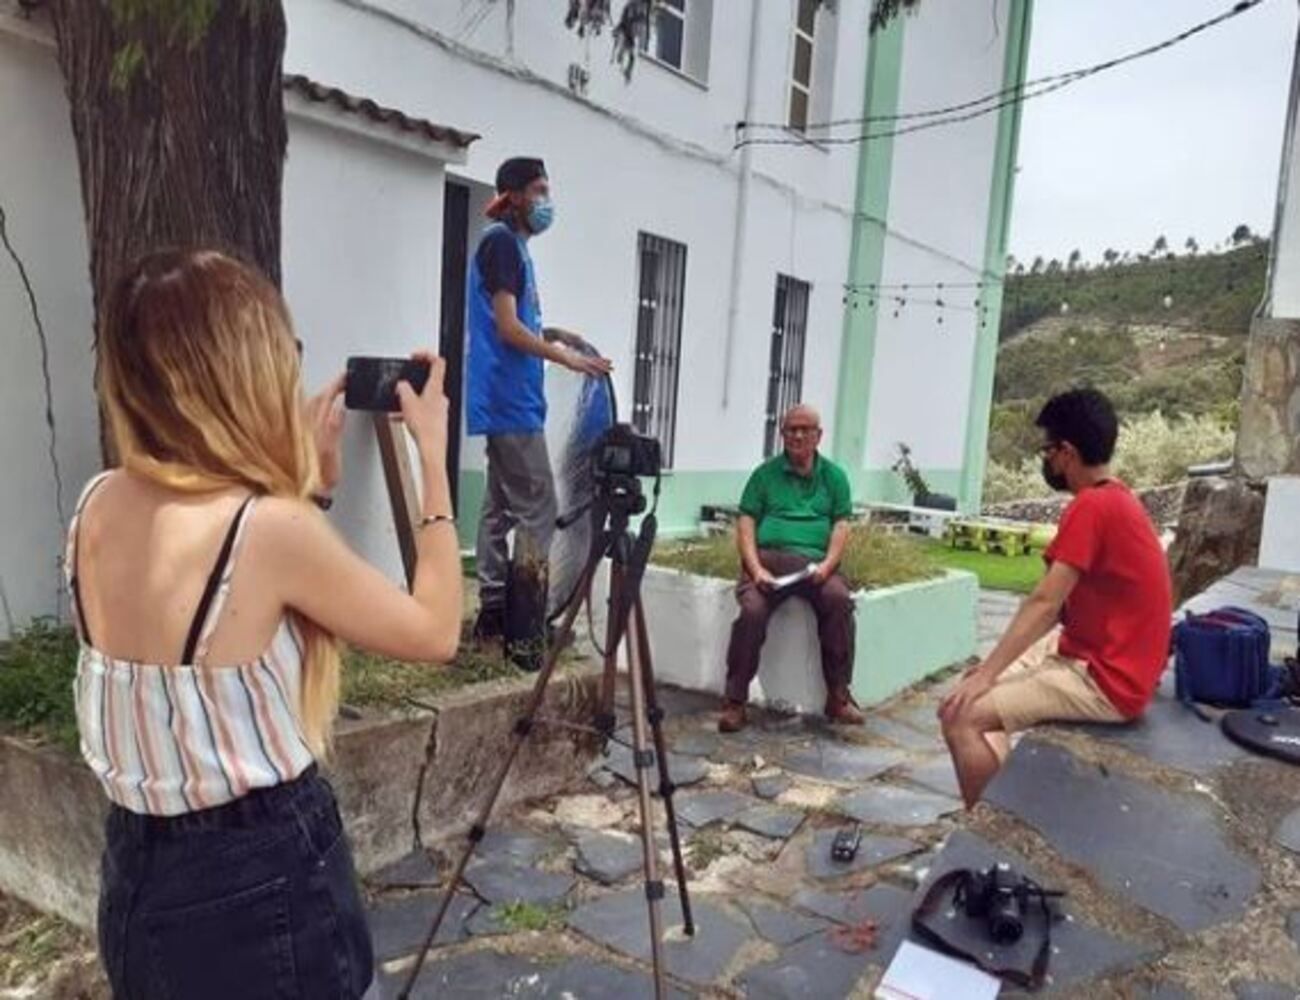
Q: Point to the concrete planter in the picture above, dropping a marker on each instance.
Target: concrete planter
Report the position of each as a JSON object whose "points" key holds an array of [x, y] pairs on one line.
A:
{"points": [[904, 634], [424, 774]]}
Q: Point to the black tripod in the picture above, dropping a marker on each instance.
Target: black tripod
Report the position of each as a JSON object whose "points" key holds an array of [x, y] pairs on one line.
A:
{"points": [[619, 498]]}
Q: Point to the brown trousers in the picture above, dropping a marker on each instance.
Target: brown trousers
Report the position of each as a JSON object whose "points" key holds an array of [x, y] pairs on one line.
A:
{"points": [[831, 602]]}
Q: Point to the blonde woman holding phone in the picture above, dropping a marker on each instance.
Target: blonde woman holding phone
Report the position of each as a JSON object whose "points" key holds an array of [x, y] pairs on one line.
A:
{"points": [[210, 596]]}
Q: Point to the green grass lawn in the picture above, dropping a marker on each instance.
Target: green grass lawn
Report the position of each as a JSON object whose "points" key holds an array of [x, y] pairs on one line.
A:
{"points": [[1019, 574]]}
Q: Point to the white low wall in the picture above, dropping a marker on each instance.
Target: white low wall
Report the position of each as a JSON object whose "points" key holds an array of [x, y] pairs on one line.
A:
{"points": [[903, 635]]}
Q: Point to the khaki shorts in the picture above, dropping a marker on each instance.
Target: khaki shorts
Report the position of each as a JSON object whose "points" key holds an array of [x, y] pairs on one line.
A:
{"points": [[1043, 686]]}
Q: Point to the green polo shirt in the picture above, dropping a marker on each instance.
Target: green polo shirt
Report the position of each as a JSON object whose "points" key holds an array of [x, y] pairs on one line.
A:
{"points": [[795, 512]]}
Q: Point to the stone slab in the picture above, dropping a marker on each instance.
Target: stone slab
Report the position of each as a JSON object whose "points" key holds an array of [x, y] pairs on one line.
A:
{"points": [[888, 906], [893, 805], [772, 821], [608, 857], [521, 846], [416, 870], [1288, 832], [1254, 990], [1122, 831], [490, 975], [398, 926], [620, 921], [779, 925], [923, 717], [1081, 952], [702, 808], [839, 762], [696, 744], [769, 786], [905, 736], [1293, 927], [683, 770], [813, 967], [509, 882], [872, 851], [936, 774], [1171, 734]]}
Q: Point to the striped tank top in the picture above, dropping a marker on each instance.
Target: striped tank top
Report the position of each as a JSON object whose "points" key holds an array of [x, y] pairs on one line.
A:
{"points": [[170, 739]]}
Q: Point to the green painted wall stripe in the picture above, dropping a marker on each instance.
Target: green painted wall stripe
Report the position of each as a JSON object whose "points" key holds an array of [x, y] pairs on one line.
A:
{"points": [[995, 254], [867, 255]]}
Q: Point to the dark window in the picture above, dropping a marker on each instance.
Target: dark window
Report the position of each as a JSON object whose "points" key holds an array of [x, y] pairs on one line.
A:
{"points": [[661, 283], [785, 364]]}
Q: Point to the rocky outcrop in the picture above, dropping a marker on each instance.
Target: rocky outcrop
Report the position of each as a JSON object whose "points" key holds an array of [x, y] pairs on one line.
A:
{"points": [[1218, 531], [1268, 436]]}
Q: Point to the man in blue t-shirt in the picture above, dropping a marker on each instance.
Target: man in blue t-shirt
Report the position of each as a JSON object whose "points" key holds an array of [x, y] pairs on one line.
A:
{"points": [[504, 397]]}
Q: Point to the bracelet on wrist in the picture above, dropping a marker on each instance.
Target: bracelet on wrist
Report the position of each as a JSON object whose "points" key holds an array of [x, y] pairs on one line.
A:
{"points": [[429, 519]]}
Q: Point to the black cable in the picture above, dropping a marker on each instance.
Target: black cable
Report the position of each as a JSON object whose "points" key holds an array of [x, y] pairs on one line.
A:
{"points": [[948, 115]]}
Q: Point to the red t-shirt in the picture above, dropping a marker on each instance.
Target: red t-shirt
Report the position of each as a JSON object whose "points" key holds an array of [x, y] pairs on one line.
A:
{"points": [[1117, 617]]}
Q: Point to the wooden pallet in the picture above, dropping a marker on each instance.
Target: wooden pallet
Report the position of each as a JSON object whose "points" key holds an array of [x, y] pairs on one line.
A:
{"points": [[986, 536]]}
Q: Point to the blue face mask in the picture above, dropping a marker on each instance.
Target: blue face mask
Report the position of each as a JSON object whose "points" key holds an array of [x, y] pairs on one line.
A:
{"points": [[541, 213]]}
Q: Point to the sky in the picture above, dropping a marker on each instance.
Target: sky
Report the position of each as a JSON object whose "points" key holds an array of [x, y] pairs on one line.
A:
{"points": [[1184, 143]]}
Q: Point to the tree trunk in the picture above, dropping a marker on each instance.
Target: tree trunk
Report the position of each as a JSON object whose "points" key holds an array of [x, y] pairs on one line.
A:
{"points": [[189, 148]]}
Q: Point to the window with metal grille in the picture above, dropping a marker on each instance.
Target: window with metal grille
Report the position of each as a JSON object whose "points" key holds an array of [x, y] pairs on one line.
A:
{"points": [[661, 283], [785, 366]]}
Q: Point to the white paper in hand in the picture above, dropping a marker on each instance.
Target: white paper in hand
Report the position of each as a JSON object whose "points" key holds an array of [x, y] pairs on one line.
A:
{"points": [[918, 973], [790, 579]]}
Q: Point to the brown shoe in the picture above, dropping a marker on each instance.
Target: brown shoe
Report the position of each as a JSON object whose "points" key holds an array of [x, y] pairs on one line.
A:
{"points": [[733, 718], [842, 710]]}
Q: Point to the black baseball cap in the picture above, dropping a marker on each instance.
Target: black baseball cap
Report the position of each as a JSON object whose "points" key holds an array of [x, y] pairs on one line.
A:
{"points": [[518, 172]]}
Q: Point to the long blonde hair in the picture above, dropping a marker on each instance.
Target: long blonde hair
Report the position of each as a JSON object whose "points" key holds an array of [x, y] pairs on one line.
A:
{"points": [[199, 377]]}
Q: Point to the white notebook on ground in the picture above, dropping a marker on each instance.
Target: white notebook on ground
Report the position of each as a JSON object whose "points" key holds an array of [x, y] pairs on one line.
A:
{"points": [[918, 973]]}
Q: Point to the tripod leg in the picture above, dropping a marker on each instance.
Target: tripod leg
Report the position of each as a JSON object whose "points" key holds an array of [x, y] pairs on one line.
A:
{"points": [[666, 787], [644, 759], [523, 727]]}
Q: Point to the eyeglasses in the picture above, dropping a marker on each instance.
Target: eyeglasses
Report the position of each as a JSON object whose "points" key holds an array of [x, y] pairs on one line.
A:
{"points": [[800, 431]]}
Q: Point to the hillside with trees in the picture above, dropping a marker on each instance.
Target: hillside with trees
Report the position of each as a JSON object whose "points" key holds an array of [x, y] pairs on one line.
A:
{"points": [[1162, 332]]}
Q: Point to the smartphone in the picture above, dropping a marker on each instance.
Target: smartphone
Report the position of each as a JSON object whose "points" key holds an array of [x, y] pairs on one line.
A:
{"points": [[844, 847], [372, 382]]}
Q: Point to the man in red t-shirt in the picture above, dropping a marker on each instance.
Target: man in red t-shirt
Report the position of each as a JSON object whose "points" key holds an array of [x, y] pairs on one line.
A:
{"points": [[1089, 644]]}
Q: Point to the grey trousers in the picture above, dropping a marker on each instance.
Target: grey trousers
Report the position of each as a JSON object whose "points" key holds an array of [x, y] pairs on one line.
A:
{"points": [[520, 495]]}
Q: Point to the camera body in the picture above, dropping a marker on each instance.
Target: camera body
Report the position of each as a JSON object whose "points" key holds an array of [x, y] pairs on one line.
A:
{"points": [[996, 895], [622, 452]]}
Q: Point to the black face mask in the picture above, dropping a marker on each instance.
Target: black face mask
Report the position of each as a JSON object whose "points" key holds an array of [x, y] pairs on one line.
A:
{"points": [[1053, 479]]}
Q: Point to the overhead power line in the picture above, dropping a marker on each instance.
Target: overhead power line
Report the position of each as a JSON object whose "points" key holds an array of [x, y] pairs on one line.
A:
{"points": [[978, 107]]}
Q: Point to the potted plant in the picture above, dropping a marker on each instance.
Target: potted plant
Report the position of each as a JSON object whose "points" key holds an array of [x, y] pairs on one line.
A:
{"points": [[921, 495]]}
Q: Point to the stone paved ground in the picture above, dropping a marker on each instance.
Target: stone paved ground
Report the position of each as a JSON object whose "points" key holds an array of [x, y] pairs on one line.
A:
{"points": [[1180, 854], [1162, 834]]}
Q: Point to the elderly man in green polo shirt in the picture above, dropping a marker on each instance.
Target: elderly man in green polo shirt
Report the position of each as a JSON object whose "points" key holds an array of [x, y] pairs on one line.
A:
{"points": [[794, 516]]}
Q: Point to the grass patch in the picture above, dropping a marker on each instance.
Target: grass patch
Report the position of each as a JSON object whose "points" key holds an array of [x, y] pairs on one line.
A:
{"points": [[515, 917], [37, 668], [1019, 574], [371, 681], [705, 848], [31, 943], [872, 559]]}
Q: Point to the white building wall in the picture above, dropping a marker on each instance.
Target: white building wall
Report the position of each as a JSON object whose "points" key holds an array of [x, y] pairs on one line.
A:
{"points": [[938, 217], [1286, 265], [651, 155], [362, 249], [362, 260], [41, 199]]}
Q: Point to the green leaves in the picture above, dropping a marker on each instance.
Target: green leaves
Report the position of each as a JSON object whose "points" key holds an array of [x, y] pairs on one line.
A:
{"points": [[143, 24]]}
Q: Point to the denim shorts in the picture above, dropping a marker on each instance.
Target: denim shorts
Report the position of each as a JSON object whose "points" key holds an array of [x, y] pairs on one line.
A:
{"points": [[256, 899]]}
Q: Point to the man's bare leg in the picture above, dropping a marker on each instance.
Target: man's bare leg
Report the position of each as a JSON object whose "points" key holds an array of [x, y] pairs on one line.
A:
{"points": [[978, 745]]}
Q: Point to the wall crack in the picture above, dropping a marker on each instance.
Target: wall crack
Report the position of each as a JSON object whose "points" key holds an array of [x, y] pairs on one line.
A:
{"points": [[46, 377]]}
